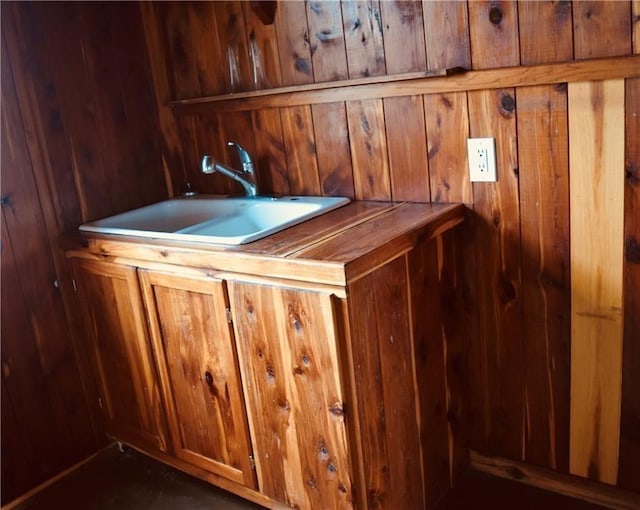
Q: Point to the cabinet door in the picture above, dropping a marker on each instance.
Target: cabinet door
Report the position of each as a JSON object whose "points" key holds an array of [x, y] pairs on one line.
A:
{"points": [[288, 350], [199, 372], [116, 329]]}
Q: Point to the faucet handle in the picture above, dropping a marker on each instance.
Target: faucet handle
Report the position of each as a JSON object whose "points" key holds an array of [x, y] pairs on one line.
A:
{"points": [[208, 165], [245, 158]]}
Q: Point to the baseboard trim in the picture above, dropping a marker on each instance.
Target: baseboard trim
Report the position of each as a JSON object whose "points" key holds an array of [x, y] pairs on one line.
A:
{"points": [[567, 485], [39, 488]]}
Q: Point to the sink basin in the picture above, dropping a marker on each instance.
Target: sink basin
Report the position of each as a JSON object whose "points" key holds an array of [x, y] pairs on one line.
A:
{"points": [[211, 219]]}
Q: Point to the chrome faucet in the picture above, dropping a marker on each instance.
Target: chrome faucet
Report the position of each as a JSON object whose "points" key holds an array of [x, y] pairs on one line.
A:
{"points": [[246, 176]]}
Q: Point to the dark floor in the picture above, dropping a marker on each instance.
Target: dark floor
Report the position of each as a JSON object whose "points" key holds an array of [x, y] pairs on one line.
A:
{"points": [[484, 492], [132, 481], [128, 480]]}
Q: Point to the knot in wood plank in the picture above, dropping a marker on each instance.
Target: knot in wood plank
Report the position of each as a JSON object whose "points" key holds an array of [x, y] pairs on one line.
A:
{"points": [[337, 409], [508, 103], [495, 15]]}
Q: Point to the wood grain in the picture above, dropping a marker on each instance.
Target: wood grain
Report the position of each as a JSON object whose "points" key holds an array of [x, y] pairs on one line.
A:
{"points": [[395, 86], [404, 40], [49, 154], [396, 400], [289, 242], [572, 486], [198, 368], [446, 27], [190, 150], [408, 164], [39, 369], [597, 213], [601, 29], [363, 38], [423, 274], [496, 354], [117, 332], [78, 111], [184, 70], [629, 463], [635, 13], [493, 30], [24, 384], [78, 103], [291, 339], [26, 209], [367, 137], [300, 148], [288, 346], [447, 128], [326, 39], [333, 149], [471, 315], [171, 153], [26, 235], [16, 452], [323, 260], [370, 409], [111, 121], [293, 44], [265, 37], [397, 373], [208, 48], [353, 247], [140, 125], [270, 157], [543, 169], [546, 32], [232, 35], [451, 262]]}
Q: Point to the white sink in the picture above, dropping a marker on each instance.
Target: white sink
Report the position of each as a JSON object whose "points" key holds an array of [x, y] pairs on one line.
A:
{"points": [[211, 219]]}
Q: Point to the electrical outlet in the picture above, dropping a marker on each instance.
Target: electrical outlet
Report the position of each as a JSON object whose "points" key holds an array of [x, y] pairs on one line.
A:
{"points": [[482, 159]]}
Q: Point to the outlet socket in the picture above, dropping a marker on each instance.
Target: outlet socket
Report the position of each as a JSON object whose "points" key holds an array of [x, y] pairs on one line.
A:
{"points": [[482, 159]]}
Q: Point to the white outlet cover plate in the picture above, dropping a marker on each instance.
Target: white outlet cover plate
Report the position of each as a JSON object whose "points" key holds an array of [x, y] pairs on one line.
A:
{"points": [[482, 159]]}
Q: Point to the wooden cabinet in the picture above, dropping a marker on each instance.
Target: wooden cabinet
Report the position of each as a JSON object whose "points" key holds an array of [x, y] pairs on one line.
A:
{"points": [[183, 367], [121, 353], [321, 352], [198, 367]]}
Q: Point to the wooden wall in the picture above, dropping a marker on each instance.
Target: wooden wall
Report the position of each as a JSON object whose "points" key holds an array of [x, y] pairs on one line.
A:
{"points": [[537, 322], [79, 141]]}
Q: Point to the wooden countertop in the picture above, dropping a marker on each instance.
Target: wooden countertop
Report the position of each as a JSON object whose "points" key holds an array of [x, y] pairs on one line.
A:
{"points": [[332, 249]]}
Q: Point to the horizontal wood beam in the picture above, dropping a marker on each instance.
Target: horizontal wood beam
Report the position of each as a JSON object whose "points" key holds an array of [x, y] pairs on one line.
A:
{"points": [[568, 485], [454, 80]]}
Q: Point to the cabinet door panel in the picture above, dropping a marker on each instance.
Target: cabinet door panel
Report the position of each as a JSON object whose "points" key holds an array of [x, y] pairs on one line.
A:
{"points": [[288, 349], [199, 371], [113, 315]]}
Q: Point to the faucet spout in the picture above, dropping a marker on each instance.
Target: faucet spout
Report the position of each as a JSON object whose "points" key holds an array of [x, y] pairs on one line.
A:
{"points": [[246, 177]]}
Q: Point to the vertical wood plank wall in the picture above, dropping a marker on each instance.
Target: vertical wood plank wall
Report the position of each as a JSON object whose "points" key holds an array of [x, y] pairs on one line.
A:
{"points": [[629, 423], [80, 140], [91, 134], [523, 279]]}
